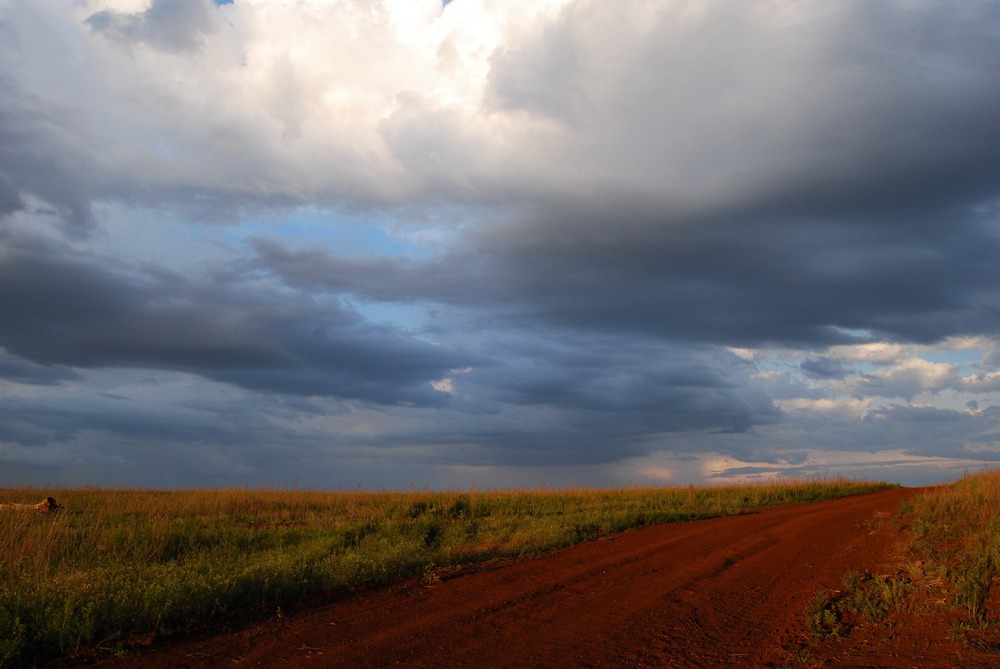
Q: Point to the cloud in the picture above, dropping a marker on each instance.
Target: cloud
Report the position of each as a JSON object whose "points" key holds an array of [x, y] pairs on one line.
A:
{"points": [[881, 352], [21, 371], [647, 387], [42, 151], [851, 408], [907, 379], [69, 309], [824, 367], [647, 227], [10, 199], [172, 26], [982, 382], [735, 283], [700, 99]]}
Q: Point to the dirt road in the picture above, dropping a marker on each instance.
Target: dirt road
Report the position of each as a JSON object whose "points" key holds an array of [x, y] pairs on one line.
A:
{"points": [[728, 592]]}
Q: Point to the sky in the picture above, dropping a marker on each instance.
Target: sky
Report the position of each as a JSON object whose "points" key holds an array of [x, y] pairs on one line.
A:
{"points": [[417, 244]]}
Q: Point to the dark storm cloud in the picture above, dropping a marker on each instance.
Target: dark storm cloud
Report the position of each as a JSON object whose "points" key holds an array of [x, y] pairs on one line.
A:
{"points": [[864, 203], [32, 423], [742, 282], [825, 368], [644, 382], [820, 109], [581, 388], [10, 199], [167, 25], [44, 152], [863, 206], [61, 308], [26, 424], [604, 390], [929, 431], [638, 185], [22, 371], [104, 440]]}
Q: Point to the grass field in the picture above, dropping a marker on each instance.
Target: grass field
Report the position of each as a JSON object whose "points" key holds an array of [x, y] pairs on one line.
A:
{"points": [[949, 562], [956, 541], [116, 564]]}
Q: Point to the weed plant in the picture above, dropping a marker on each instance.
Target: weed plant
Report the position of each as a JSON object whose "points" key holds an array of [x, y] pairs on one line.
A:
{"points": [[952, 555], [116, 564], [956, 541]]}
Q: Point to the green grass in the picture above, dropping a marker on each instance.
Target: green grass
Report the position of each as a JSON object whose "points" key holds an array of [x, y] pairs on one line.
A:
{"points": [[956, 540], [951, 554], [864, 597], [116, 564]]}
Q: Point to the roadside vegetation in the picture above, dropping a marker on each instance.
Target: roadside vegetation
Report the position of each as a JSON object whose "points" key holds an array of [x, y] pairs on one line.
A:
{"points": [[949, 565], [118, 565]]}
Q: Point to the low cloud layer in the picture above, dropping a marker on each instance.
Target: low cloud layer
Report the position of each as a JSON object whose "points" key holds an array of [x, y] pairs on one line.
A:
{"points": [[444, 244]]}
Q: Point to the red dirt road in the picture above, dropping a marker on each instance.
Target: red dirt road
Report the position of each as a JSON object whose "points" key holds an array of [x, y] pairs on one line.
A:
{"points": [[728, 592]]}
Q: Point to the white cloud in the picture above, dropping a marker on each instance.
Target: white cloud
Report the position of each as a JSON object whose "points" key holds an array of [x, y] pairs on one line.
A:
{"points": [[744, 353], [443, 386], [896, 465], [907, 379], [875, 352], [983, 382], [848, 408], [684, 104]]}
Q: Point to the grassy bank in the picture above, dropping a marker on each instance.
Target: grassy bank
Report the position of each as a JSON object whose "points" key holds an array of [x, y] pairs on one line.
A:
{"points": [[950, 556], [956, 542], [115, 564]]}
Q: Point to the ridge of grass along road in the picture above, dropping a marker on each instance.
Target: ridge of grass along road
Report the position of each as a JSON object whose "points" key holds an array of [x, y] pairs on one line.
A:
{"points": [[117, 564], [951, 554]]}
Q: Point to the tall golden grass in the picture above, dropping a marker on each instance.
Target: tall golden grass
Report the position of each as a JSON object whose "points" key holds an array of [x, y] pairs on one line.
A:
{"points": [[956, 540], [115, 564], [951, 555]]}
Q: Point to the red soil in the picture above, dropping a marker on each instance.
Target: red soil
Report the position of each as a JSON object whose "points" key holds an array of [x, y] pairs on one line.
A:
{"points": [[728, 592]]}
